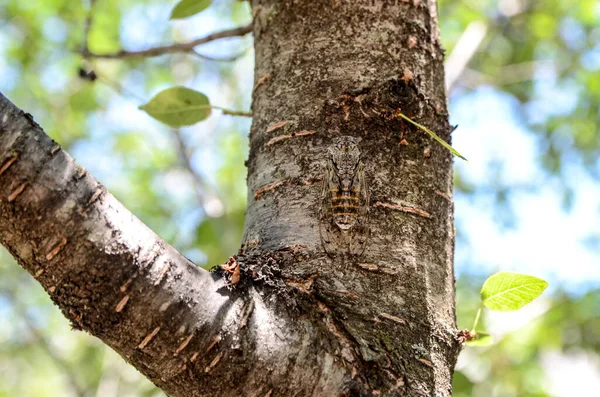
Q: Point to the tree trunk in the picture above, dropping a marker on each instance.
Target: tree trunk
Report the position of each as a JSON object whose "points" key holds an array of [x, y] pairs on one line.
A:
{"points": [[285, 317]]}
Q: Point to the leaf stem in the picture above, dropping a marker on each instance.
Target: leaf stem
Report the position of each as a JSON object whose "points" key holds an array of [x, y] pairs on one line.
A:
{"points": [[230, 112], [201, 107], [431, 133], [477, 319]]}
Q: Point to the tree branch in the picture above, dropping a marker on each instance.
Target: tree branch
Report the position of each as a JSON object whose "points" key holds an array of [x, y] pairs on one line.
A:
{"points": [[172, 48], [108, 273]]}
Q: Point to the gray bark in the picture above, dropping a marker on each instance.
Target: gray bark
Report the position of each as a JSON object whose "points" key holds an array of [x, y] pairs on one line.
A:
{"points": [[298, 322], [343, 68]]}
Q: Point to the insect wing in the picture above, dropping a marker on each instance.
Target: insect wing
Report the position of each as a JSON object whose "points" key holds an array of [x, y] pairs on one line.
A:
{"points": [[327, 228], [359, 233]]}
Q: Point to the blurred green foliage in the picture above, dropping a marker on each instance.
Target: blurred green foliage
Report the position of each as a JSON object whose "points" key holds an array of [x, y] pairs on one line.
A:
{"points": [[189, 185], [546, 55], [518, 364]]}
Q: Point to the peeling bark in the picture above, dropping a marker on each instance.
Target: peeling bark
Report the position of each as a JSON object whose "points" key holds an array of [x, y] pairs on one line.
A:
{"points": [[281, 318]]}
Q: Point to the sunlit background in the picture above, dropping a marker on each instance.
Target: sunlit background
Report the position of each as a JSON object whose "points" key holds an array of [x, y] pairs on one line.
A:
{"points": [[524, 88]]}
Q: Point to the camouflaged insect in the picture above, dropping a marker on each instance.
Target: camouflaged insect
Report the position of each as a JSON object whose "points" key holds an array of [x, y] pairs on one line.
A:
{"points": [[344, 200]]}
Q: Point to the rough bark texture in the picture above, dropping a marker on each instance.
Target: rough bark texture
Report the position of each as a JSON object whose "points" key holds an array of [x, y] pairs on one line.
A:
{"points": [[108, 273], [344, 68], [283, 318]]}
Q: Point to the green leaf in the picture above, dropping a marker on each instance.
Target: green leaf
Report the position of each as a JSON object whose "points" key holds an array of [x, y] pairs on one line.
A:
{"points": [[481, 339], [432, 134], [178, 106], [507, 291], [187, 8]]}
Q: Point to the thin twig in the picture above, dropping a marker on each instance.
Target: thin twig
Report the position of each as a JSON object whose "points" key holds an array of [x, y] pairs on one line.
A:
{"points": [[230, 112], [172, 48]]}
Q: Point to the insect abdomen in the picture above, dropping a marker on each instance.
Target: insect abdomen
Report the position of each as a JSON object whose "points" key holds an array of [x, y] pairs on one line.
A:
{"points": [[345, 205]]}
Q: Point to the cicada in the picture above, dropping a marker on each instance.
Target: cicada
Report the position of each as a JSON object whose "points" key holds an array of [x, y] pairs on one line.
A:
{"points": [[343, 217]]}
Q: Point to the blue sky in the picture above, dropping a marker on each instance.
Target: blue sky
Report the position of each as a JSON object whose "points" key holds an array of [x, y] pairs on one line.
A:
{"points": [[547, 238]]}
